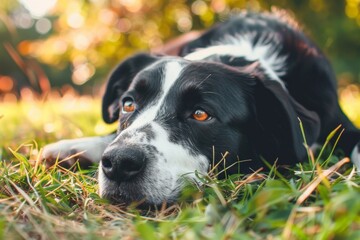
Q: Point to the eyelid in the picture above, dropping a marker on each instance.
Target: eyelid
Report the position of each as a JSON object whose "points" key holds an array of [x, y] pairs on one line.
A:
{"points": [[126, 97]]}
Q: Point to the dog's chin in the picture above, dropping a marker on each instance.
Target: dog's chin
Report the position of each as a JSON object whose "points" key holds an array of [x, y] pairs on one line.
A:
{"points": [[135, 202], [136, 199], [136, 194]]}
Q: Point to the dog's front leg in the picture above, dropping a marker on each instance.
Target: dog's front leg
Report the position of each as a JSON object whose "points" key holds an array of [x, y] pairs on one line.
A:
{"points": [[84, 150]]}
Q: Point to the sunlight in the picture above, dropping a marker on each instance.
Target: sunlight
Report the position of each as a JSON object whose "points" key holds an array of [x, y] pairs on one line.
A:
{"points": [[75, 20], [38, 8]]}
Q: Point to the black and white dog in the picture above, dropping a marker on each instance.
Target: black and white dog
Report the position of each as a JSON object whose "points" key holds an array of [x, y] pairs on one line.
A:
{"points": [[241, 88]]}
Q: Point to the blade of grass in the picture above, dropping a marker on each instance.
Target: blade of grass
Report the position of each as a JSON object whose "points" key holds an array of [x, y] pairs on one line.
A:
{"points": [[307, 190]]}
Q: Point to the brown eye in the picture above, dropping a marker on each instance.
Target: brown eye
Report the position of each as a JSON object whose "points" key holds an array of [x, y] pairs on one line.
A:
{"points": [[128, 106], [200, 115]]}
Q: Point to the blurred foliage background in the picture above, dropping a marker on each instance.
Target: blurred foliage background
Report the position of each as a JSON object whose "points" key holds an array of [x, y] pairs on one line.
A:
{"points": [[57, 46]]}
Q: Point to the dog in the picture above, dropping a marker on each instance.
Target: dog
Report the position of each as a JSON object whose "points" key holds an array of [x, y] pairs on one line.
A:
{"points": [[251, 88]]}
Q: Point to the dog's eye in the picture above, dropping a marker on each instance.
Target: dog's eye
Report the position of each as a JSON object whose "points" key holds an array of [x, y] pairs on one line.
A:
{"points": [[200, 115], [128, 105]]}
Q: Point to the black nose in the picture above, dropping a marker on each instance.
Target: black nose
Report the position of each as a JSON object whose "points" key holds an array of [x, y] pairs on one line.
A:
{"points": [[123, 164]]}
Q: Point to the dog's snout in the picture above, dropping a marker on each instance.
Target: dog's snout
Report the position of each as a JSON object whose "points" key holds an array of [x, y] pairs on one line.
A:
{"points": [[123, 164]]}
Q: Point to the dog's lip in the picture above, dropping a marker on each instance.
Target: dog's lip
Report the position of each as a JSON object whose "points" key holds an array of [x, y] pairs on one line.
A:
{"points": [[117, 196], [120, 199], [124, 193], [142, 204], [120, 194]]}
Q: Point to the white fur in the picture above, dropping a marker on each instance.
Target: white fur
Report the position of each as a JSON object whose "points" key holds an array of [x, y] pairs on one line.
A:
{"points": [[176, 160], [174, 163], [90, 148], [355, 157], [241, 46]]}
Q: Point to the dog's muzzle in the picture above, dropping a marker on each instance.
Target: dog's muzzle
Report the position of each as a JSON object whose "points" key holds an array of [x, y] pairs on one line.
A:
{"points": [[123, 164]]}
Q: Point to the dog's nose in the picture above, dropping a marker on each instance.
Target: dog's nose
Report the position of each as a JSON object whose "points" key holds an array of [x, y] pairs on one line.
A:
{"points": [[122, 164]]}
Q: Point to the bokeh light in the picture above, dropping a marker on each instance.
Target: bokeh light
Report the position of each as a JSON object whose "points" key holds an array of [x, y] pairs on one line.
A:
{"points": [[38, 8], [75, 20], [23, 20], [43, 25], [82, 73], [6, 83]]}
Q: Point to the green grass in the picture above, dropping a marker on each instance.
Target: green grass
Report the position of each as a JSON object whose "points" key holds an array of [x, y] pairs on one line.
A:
{"points": [[318, 199]]}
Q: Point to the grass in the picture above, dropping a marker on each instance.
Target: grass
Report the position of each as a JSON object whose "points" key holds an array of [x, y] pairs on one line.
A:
{"points": [[318, 199]]}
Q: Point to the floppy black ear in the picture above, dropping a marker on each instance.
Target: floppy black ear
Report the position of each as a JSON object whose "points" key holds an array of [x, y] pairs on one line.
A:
{"points": [[119, 81], [278, 134]]}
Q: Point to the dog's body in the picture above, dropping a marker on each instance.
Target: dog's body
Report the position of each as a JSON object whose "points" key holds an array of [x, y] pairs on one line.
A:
{"points": [[240, 88]]}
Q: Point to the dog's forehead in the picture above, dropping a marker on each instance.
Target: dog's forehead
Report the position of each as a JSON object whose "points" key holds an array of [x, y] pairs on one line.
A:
{"points": [[180, 73], [164, 74], [173, 79], [158, 68], [158, 76]]}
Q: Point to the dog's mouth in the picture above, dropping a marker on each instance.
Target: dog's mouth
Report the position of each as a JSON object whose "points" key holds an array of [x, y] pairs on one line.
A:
{"points": [[144, 192], [139, 201], [142, 203], [125, 200]]}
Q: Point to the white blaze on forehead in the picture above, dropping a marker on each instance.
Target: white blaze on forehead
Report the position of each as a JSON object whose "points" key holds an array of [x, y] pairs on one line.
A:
{"points": [[171, 73]]}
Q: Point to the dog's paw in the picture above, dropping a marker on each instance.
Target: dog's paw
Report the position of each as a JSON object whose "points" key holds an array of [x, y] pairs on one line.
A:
{"points": [[85, 151], [66, 153]]}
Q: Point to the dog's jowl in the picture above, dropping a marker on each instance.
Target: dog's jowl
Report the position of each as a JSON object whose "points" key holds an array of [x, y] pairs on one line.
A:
{"points": [[240, 88]]}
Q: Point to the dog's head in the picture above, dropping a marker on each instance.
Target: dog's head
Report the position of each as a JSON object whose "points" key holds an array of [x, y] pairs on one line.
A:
{"points": [[177, 117]]}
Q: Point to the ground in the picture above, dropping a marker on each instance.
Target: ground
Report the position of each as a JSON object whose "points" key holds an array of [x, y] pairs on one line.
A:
{"points": [[317, 199]]}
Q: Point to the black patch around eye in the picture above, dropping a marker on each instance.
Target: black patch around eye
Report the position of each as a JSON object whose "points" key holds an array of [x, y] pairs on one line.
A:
{"points": [[147, 87], [190, 98], [141, 86]]}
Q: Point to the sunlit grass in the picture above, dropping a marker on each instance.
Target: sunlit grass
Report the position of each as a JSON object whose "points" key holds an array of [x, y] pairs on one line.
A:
{"points": [[51, 119], [316, 200]]}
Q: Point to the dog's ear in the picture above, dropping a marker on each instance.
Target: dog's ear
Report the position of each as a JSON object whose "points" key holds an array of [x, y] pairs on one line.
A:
{"points": [[119, 81], [278, 133]]}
